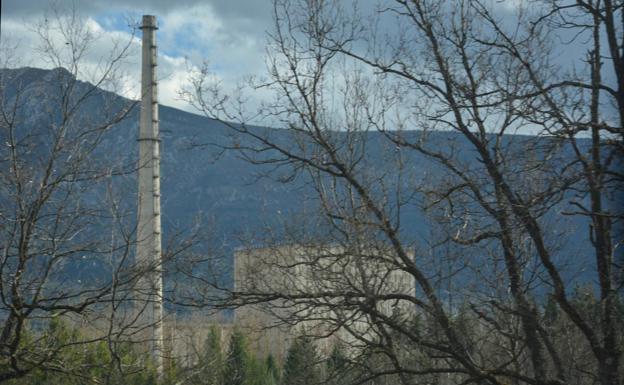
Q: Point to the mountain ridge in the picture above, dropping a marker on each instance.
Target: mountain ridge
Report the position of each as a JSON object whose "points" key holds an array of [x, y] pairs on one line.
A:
{"points": [[217, 189]]}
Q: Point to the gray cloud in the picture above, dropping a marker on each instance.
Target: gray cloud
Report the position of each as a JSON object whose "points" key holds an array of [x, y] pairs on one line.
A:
{"points": [[259, 10], [242, 16], [229, 34]]}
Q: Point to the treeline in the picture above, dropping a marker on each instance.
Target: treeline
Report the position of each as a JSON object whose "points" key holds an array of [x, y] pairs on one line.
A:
{"points": [[233, 364], [231, 360]]}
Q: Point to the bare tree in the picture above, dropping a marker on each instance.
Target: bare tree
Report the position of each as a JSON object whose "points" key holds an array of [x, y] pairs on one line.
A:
{"points": [[67, 232], [368, 102]]}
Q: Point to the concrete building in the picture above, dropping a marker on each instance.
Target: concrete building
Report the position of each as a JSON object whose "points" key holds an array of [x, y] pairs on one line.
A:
{"points": [[319, 290]]}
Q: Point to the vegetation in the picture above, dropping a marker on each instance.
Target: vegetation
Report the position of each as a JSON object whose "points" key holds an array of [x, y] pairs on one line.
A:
{"points": [[55, 198], [489, 295], [302, 363], [83, 360], [502, 208]]}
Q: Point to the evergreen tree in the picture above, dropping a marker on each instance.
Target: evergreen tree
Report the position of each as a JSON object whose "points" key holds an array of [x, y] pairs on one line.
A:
{"points": [[272, 370], [301, 366], [337, 366], [337, 360], [237, 362], [88, 363], [211, 361], [256, 373]]}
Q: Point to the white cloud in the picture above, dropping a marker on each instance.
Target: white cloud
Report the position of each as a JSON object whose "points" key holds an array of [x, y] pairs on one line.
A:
{"points": [[188, 35]]}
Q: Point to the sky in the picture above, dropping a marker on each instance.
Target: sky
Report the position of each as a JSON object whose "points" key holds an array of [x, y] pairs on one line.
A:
{"points": [[229, 34]]}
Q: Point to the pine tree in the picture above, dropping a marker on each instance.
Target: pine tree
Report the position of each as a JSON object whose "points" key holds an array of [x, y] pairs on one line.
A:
{"points": [[301, 366], [337, 366], [256, 373], [237, 362], [272, 370], [337, 360], [211, 361]]}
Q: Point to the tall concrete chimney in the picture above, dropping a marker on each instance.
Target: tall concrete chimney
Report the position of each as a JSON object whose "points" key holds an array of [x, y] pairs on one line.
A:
{"points": [[149, 250]]}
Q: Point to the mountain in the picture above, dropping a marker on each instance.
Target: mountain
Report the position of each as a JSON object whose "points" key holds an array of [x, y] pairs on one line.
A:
{"points": [[198, 178], [217, 189]]}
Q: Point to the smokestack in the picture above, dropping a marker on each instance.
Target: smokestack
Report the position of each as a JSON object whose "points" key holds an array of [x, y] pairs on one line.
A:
{"points": [[149, 250]]}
